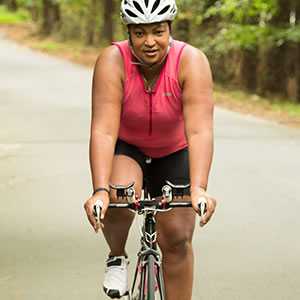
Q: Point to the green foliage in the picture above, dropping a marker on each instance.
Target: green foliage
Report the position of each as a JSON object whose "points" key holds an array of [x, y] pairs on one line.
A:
{"points": [[244, 25], [243, 10], [9, 18], [288, 34], [190, 10], [74, 16], [235, 37]]}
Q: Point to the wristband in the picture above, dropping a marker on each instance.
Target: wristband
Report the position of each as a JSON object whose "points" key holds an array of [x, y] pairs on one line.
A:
{"points": [[101, 189]]}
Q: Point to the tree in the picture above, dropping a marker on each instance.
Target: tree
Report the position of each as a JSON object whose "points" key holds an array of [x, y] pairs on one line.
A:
{"points": [[274, 76], [297, 61], [12, 5], [91, 23], [108, 28], [51, 16]]}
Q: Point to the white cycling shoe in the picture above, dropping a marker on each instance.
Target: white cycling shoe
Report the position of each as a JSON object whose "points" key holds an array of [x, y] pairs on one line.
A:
{"points": [[115, 284]]}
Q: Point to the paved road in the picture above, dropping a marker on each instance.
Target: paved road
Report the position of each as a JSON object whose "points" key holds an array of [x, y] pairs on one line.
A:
{"points": [[251, 249]]}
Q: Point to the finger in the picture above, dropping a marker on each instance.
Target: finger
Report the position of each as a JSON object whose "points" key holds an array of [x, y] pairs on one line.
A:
{"points": [[163, 200], [209, 213], [91, 217], [103, 212], [93, 221]]}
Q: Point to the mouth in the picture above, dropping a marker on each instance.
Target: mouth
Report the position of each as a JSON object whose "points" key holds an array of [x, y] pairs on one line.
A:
{"points": [[151, 53]]}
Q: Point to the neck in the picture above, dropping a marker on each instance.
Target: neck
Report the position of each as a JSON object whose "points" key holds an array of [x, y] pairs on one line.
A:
{"points": [[150, 73]]}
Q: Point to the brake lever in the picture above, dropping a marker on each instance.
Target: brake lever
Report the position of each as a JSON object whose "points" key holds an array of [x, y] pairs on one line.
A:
{"points": [[97, 210], [202, 205]]}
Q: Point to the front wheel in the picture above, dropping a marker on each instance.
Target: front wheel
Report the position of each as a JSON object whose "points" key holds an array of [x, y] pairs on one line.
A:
{"points": [[151, 277]]}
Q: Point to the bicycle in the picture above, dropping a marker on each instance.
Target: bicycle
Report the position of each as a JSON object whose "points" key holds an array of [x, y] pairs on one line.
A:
{"points": [[148, 277]]}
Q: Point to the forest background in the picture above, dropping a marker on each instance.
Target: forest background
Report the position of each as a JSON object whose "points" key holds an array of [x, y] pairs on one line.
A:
{"points": [[252, 45]]}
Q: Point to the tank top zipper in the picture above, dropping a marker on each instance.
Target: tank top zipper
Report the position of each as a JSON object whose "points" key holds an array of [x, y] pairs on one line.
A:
{"points": [[150, 92]]}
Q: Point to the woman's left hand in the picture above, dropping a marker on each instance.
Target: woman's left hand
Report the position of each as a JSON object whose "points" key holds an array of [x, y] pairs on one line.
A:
{"points": [[196, 195]]}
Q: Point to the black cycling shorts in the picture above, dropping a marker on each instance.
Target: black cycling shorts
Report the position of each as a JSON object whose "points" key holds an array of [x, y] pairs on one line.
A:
{"points": [[156, 171]]}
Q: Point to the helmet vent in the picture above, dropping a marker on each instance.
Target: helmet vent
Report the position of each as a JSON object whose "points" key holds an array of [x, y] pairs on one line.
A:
{"points": [[164, 10], [130, 13], [146, 3], [138, 7], [155, 6]]}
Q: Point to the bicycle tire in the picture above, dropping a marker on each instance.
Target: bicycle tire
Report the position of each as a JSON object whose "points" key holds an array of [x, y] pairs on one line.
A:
{"points": [[151, 277], [142, 285], [161, 284]]}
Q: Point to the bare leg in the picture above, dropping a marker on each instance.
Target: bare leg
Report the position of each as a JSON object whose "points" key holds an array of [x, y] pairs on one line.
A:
{"points": [[175, 231], [118, 221]]}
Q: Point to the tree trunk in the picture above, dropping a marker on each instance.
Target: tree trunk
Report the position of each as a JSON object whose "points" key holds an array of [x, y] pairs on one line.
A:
{"points": [[273, 75], [182, 30], [298, 73], [51, 16], [108, 28], [34, 11], [248, 69], [91, 23], [249, 61], [12, 5], [297, 9]]}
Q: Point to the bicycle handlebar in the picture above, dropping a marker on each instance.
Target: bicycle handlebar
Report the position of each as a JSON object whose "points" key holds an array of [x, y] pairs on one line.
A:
{"points": [[169, 191]]}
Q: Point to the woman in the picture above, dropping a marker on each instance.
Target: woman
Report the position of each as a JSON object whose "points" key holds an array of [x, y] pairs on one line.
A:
{"points": [[152, 121]]}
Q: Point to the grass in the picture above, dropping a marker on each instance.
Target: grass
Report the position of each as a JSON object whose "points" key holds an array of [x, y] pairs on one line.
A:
{"points": [[47, 46], [258, 104], [11, 18]]}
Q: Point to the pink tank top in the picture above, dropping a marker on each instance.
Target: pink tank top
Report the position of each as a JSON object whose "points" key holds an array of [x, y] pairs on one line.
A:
{"points": [[152, 120]]}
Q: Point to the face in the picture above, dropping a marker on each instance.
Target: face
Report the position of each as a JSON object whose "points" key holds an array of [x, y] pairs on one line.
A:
{"points": [[150, 41]]}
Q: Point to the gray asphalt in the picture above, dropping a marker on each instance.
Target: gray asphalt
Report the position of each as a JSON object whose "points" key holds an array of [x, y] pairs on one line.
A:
{"points": [[250, 250]]}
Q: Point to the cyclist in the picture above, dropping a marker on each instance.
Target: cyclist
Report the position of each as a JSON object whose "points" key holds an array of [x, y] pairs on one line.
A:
{"points": [[152, 121]]}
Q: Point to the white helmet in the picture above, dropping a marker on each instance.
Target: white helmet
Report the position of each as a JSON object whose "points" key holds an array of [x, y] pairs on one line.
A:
{"points": [[147, 11]]}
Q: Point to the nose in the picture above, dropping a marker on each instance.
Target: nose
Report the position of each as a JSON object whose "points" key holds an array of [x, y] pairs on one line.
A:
{"points": [[150, 41]]}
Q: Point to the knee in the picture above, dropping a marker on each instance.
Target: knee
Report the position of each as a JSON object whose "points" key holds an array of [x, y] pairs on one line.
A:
{"points": [[178, 246]]}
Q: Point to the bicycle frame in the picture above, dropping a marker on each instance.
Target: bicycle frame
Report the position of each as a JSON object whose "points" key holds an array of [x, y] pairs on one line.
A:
{"points": [[148, 276], [148, 248]]}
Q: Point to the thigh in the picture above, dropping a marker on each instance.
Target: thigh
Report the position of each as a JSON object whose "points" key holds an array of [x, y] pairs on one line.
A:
{"points": [[127, 166], [174, 168], [126, 170], [175, 227]]}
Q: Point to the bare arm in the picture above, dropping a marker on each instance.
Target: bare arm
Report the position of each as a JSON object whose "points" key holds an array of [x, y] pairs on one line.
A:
{"points": [[198, 114], [107, 94], [198, 107]]}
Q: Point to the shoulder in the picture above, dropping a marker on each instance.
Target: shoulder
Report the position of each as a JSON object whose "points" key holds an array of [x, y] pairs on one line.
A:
{"points": [[193, 61], [110, 61], [191, 53]]}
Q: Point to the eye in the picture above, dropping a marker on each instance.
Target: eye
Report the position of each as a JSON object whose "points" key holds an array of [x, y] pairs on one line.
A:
{"points": [[159, 32], [138, 34]]}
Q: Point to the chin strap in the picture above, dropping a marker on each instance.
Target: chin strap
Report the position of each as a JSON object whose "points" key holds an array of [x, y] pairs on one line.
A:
{"points": [[140, 62]]}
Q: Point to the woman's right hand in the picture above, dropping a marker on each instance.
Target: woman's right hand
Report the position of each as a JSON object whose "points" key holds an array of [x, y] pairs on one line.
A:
{"points": [[89, 208]]}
